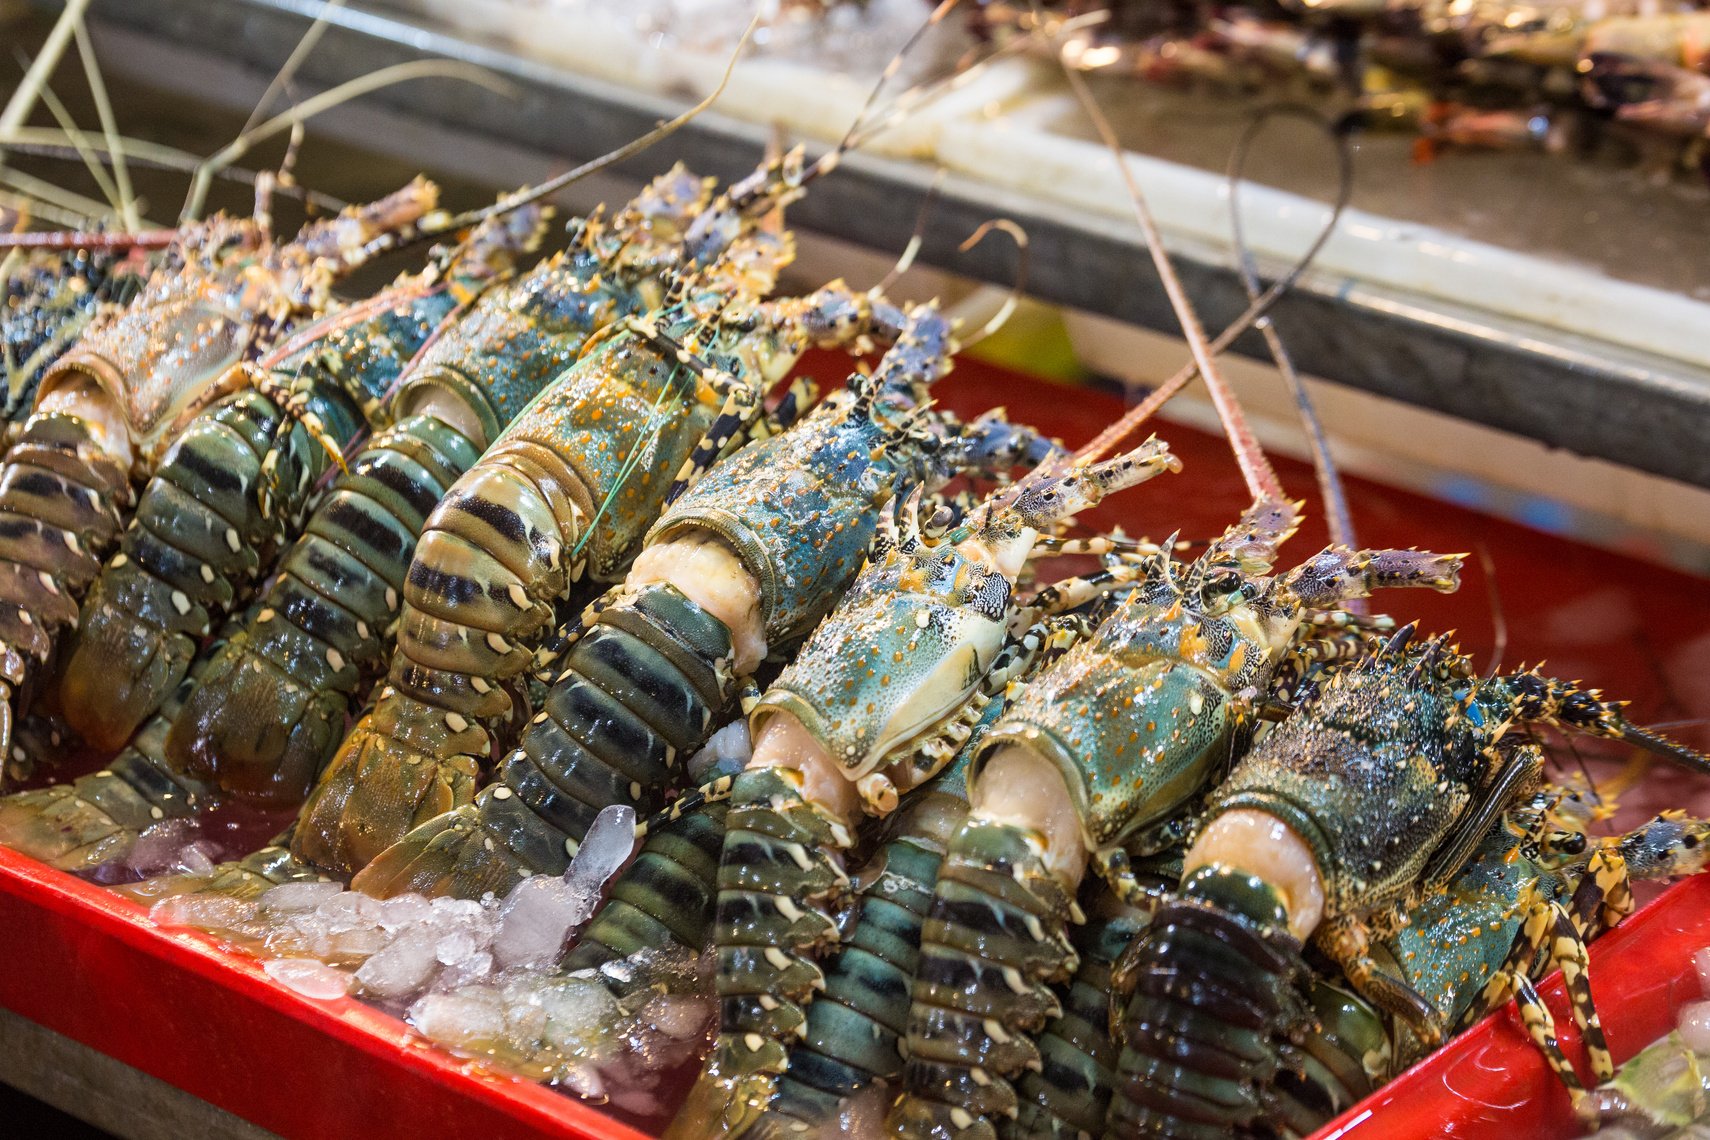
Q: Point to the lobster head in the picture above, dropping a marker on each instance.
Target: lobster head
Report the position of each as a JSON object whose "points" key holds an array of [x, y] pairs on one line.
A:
{"points": [[881, 681], [160, 361]]}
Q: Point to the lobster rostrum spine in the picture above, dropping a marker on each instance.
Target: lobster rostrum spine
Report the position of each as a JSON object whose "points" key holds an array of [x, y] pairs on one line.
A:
{"points": [[749, 557], [1094, 757], [111, 404], [1409, 735], [271, 710], [237, 483]]}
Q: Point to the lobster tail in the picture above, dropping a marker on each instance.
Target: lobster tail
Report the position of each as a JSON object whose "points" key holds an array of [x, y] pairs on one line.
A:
{"points": [[1068, 1096], [642, 688], [97, 818], [996, 941], [493, 556], [1215, 986], [271, 705], [62, 503], [247, 878], [854, 1029], [664, 898], [779, 875], [222, 500]]}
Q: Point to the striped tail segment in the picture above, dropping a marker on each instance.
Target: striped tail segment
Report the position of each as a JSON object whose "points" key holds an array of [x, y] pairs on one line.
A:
{"points": [[640, 692], [779, 879], [996, 941], [1067, 1099], [245, 879], [231, 490], [272, 703], [495, 555], [62, 503], [1216, 997], [664, 898], [855, 1028], [96, 819]]}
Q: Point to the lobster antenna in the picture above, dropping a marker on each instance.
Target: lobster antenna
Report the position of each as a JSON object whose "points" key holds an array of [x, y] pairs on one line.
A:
{"points": [[288, 70], [628, 150], [51, 142], [130, 215], [1262, 481], [915, 239], [867, 123], [1498, 619], [1001, 317], [1338, 518], [1162, 394], [22, 102], [892, 66], [327, 100], [80, 143]]}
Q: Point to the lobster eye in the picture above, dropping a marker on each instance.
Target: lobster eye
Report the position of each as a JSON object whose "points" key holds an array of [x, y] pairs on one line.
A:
{"points": [[1222, 582]]}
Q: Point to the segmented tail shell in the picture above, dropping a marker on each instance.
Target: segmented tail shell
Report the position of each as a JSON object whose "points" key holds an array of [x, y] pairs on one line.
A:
{"points": [[205, 526], [97, 818], [247, 878], [1216, 995], [641, 690], [664, 898], [780, 876], [62, 502], [854, 1029], [996, 942], [233, 488], [271, 706], [1069, 1096]]}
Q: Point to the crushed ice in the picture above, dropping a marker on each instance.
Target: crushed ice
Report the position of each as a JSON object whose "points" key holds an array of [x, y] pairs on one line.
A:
{"points": [[170, 847], [481, 976]]}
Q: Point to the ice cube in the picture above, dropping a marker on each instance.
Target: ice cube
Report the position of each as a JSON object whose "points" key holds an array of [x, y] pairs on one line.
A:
{"points": [[403, 967], [356, 941], [157, 847], [639, 1099], [607, 846], [676, 1016], [475, 968], [1701, 959], [576, 1010], [405, 911], [584, 1081], [197, 858], [468, 1019], [351, 908], [537, 918], [458, 946], [309, 977], [460, 911], [205, 912], [1694, 1023], [300, 896]]}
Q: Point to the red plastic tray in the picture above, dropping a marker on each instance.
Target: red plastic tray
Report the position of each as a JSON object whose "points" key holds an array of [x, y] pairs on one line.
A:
{"points": [[175, 1005]]}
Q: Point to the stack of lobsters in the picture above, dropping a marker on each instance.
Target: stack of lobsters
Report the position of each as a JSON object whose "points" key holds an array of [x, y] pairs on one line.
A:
{"points": [[543, 532]]}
